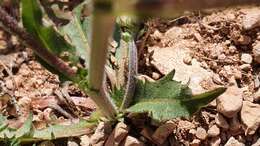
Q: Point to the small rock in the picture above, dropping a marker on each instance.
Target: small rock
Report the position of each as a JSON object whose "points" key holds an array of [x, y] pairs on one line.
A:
{"points": [[161, 133], [192, 131], [221, 121], [215, 141], [257, 95], [72, 143], [213, 131], [118, 135], [131, 141], [256, 52], [230, 103], [3, 46], [250, 116], [201, 133], [233, 142], [245, 67], [156, 75], [100, 135], [195, 142], [251, 20], [246, 58], [186, 125], [84, 140]]}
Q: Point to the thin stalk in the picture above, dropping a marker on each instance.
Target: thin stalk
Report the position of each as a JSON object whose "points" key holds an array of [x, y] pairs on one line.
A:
{"points": [[12, 26], [172, 8], [103, 24]]}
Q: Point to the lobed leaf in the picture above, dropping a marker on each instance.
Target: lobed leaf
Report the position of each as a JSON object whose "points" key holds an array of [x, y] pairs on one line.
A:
{"points": [[167, 99]]}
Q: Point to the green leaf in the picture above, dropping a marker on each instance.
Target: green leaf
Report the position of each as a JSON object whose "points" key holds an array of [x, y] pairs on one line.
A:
{"points": [[32, 20], [25, 130], [117, 95], [78, 31], [167, 99]]}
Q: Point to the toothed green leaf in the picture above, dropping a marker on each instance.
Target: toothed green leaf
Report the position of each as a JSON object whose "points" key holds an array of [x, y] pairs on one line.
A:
{"points": [[167, 99]]}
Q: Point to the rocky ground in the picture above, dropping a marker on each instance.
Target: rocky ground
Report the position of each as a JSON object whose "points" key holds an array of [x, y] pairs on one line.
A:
{"points": [[207, 50]]}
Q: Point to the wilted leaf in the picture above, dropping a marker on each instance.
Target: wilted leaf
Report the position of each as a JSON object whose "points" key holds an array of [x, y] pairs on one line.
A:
{"points": [[167, 99]]}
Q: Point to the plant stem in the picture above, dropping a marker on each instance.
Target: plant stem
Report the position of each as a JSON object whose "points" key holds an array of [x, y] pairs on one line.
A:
{"points": [[103, 24], [173, 8], [12, 26]]}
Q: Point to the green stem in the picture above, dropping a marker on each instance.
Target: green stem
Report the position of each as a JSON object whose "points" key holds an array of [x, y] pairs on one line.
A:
{"points": [[173, 8], [103, 24]]}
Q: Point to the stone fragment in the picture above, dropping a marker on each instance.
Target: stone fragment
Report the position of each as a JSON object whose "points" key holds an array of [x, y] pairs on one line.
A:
{"points": [[84, 140], [131, 141], [230, 102], [246, 58], [195, 142], [186, 125], [245, 67], [118, 135], [161, 133], [233, 142], [100, 135], [213, 131], [250, 116], [221, 121], [72, 143], [256, 51], [201, 133], [251, 19]]}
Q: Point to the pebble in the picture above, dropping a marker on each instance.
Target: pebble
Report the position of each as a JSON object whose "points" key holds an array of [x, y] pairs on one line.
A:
{"points": [[233, 142], [156, 75], [9, 84], [230, 102], [256, 82], [131, 141], [221, 121], [213, 131], [100, 135], [246, 58], [186, 125], [72, 143], [162, 133], [251, 19], [201, 133], [245, 67], [118, 135], [84, 140], [250, 116], [195, 142], [256, 52]]}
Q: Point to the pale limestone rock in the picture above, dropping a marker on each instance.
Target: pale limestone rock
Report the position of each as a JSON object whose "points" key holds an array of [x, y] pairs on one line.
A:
{"points": [[215, 141], [195, 142], [251, 19], [131, 141], [250, 116], [213, 131], [246, 58], [100, 135], [84, 140], [233, 142], [230, 102], [161, 133], [201, 133], [118, 135]]}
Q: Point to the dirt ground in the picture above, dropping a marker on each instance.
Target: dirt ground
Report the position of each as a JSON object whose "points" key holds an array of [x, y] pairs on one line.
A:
{"points": [[206, 49]]}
